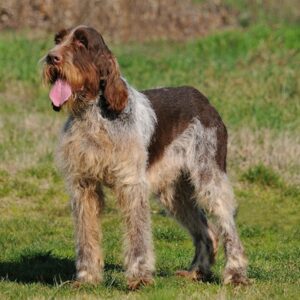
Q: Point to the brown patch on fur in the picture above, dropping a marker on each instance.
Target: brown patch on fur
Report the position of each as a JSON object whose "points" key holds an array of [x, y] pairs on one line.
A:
{"points": [[175, 108]]}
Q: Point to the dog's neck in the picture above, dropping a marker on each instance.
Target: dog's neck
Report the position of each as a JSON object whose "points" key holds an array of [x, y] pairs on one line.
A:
{"points": [[79, 106], [105, 111]]}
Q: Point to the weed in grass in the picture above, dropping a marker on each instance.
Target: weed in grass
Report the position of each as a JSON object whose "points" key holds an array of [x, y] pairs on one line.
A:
{"points": [[262, 175]]}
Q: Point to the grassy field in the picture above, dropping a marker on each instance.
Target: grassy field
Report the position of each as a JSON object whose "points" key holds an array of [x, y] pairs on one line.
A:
{"points": [[251, 76]]}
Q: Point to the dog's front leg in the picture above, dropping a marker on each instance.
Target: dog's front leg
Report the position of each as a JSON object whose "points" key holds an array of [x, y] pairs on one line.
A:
{"points": [[87, 201], [139, 258]]}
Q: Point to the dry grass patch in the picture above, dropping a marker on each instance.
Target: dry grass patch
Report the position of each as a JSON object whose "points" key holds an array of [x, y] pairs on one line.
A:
{"points": [[27, 138], [280, 151]]}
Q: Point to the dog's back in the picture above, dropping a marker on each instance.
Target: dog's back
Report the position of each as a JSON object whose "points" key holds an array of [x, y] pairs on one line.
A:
{"points": [[175, 108]]}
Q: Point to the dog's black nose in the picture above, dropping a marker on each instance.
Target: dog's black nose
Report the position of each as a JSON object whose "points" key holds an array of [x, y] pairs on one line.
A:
{"points": [[53, 58]]}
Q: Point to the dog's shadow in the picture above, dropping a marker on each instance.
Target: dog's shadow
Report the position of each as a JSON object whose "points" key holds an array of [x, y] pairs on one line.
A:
{"points": [[46, 268], [42, 268], [39, 267]]}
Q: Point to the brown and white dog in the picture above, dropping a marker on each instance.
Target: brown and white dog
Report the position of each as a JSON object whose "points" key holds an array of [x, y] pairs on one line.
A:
{"points": [[169, 141]]}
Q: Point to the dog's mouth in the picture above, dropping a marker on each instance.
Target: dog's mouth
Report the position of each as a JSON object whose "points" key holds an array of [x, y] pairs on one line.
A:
{"points": [[61, 89], [60, 92]]}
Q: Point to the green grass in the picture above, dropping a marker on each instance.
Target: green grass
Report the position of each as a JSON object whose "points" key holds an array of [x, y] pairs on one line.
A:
{"points": [[38, 257], [251, 76]]}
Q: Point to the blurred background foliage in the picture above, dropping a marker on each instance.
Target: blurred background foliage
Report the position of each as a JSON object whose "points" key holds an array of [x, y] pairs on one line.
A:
{"points": [[134, 20]]}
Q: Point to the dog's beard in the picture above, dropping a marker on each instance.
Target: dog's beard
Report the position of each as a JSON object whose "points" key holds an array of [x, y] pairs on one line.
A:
{"points": [[83, 88]]}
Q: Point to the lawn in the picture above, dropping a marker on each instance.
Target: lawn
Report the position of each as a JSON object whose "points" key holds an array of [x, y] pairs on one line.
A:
{"points": [[251, 75]]}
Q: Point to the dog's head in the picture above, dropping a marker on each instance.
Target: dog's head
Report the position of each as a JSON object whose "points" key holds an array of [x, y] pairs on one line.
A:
{"points": [[80, 66]]}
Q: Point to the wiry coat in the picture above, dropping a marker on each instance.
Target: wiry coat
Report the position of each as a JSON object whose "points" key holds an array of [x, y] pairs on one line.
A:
{"points": [[170, 141]]}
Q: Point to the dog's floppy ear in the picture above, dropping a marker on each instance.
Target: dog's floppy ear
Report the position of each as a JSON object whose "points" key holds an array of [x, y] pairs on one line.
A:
{"points": [[115, 90], [113, 87], [109, 78]]}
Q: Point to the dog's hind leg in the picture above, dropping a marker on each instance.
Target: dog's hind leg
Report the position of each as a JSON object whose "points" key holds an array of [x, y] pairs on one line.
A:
{"points": [[216, 196], [87, 202], [178, 198]]}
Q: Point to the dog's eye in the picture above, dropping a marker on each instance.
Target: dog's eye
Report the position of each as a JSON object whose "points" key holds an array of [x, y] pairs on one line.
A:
{"points": [[59, 36], [57, 40]]}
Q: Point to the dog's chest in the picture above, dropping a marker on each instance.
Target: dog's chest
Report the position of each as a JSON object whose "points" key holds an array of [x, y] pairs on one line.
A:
{"points": [[86, 150]]}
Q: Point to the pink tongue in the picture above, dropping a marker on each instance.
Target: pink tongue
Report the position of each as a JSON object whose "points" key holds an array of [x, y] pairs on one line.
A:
{"points": [[60, 92]]}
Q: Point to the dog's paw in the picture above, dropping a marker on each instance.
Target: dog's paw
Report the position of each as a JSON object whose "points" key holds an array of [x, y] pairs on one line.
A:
{"points": [[192, 275], [235, 278], [135, 283], [90, 278]]}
